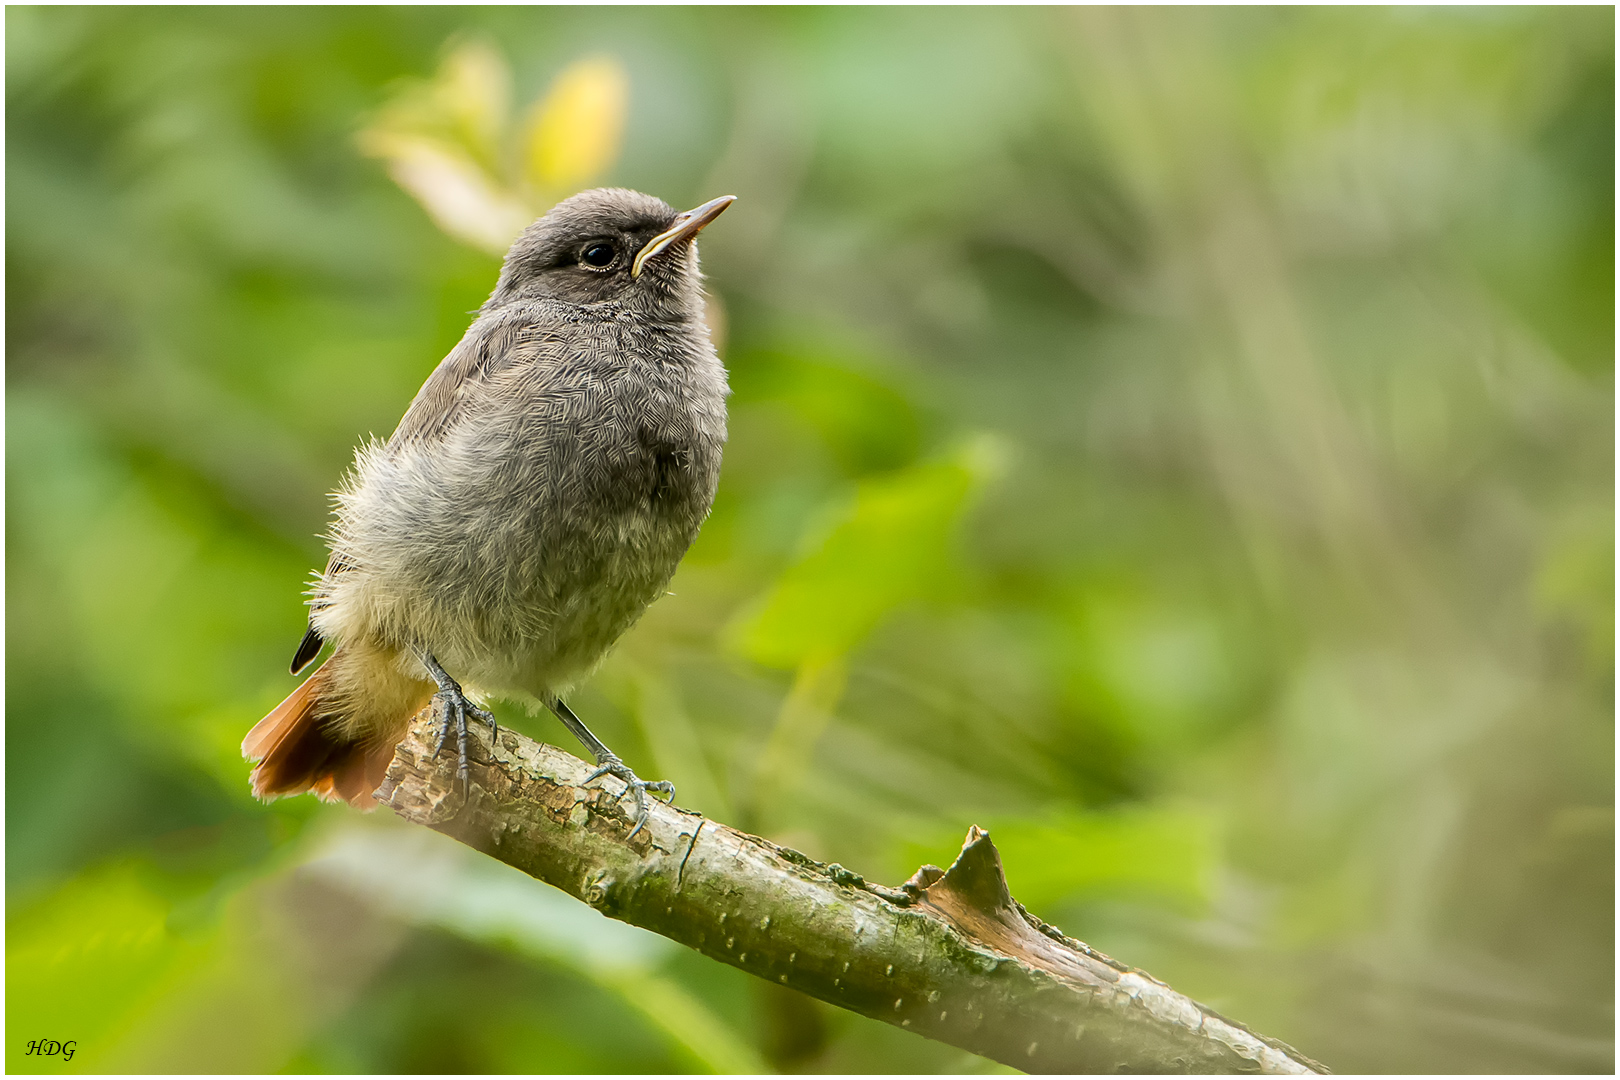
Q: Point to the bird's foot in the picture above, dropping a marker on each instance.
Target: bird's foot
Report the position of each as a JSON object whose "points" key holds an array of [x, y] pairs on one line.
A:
{"points": [[609, 765], [452, 707]]}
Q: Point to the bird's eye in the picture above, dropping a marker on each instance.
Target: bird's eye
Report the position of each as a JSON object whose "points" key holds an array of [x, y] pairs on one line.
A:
{"points": [[598, 255]]}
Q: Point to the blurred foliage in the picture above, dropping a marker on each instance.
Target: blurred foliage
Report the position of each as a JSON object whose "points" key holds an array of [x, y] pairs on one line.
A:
{"points": [[886, 549], [1178, 440]]}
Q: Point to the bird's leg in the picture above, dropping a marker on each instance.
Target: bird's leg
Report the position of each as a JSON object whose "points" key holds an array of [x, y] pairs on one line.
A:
{"points": [[608, 763], [451, 702]]}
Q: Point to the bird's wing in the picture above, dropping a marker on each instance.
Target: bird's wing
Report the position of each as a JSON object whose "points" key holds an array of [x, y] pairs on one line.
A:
{"points": [[491, 345]]}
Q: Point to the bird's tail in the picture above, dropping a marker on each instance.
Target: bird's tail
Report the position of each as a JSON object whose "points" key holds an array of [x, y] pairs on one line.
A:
{"points": [[300, 747]]}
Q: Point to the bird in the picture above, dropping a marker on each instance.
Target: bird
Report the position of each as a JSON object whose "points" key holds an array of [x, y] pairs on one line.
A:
{"points": [[534, 500]]}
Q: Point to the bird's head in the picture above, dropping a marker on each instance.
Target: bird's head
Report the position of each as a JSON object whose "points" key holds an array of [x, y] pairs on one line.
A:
{"points": [[610, 245]]}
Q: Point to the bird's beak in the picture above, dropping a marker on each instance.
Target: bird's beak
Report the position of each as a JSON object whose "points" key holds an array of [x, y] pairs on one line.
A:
{"points": [[686, 225]]}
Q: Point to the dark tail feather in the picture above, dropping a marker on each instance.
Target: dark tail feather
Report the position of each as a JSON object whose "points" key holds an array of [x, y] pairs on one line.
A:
{"points": [[298, 752], [307, 650]]}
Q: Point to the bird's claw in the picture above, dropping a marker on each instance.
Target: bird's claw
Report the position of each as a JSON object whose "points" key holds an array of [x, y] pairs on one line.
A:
{"points": [[450, 703], [609, 765]]}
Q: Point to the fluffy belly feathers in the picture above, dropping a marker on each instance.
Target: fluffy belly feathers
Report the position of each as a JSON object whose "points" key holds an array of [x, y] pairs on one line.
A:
{"points": [[516, 586]]}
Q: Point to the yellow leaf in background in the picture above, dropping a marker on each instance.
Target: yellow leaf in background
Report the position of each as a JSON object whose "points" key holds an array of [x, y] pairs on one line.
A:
{"points": [[574, 132], [441, 140], [446, 141], [458, 194], [466, 104], [474, 89]]}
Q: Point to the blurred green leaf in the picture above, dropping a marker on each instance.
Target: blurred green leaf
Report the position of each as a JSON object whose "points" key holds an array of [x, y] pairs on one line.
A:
{"points": [[1160, 671], [431, 880], [1576, 583], [710, 1044], [86, 962], [868, 424], [888, 546]]}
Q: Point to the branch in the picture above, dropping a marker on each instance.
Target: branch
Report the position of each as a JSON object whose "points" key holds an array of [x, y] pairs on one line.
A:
{"points": [[949, 955]]}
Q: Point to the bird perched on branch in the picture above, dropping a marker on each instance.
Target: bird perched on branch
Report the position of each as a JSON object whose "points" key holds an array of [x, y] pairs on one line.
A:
{"points": [[535, 498]]}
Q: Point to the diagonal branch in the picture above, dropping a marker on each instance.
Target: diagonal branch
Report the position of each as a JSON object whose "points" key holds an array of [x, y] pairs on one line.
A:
{"points": [[950, 954]]}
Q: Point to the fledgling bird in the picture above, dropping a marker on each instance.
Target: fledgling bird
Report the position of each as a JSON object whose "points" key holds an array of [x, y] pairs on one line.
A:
{"points": [[534, 500]]}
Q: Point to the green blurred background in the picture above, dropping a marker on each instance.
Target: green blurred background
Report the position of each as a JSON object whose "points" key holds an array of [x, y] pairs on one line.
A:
{"points": [[1178, 441]]}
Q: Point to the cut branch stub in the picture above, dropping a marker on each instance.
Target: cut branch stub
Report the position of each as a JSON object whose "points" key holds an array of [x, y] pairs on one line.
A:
{"points": [[949, 955], [973, 897]]}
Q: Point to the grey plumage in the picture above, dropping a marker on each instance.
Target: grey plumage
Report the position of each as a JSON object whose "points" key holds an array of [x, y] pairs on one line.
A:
{"points": [[539, 491]]}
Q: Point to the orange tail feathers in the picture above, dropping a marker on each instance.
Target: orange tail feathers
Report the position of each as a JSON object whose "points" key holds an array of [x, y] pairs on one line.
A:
{"points": [[298, 751]]}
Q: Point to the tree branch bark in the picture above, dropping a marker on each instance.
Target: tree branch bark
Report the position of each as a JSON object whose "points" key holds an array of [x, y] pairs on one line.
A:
{"points": [[950, 954]]}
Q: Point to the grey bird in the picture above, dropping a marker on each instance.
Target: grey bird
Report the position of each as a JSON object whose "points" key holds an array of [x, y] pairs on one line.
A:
{"points": [[534, 500]]}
